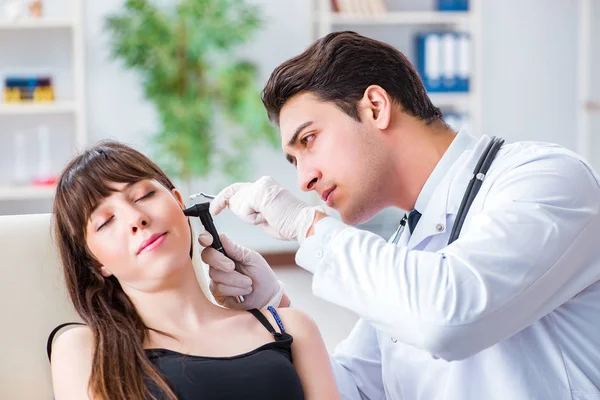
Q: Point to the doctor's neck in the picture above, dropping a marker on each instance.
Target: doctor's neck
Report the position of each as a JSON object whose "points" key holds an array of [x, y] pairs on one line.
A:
{"points": [[418, 147]]}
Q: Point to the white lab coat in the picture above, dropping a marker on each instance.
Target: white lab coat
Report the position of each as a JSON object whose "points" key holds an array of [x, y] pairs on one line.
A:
{"points": [[510, 310]]}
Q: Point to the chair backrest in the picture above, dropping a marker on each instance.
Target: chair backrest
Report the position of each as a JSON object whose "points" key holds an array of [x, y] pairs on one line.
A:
{"points": [[33, 301]]}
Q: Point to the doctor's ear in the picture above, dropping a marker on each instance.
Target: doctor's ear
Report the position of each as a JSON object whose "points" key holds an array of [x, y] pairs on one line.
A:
{"points": [[376, 106]]}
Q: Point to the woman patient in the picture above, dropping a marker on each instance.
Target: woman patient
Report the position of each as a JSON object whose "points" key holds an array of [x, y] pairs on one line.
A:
{"points": [[150, 331]]}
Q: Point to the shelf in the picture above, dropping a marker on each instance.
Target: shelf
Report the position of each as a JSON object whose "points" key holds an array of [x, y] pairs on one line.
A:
{"points": [[30, 23], [459, 100], [26, 192], [55, 107], [406, 17]]}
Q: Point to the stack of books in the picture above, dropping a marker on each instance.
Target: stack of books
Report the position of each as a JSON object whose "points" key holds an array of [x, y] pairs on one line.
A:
{"points": [[359, 7]]}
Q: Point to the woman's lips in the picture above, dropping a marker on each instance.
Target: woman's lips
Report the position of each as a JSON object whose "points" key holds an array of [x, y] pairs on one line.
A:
{"points": [[153, 243]]}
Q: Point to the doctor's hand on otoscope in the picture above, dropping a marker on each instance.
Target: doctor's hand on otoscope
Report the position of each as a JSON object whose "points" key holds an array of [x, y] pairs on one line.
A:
{"points": [[255, 280], [267, 204]]}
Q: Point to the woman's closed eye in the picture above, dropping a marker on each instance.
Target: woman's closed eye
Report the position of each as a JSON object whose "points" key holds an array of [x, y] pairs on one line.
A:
{"points": [[144, 197], [104, 223], [147, 195]]}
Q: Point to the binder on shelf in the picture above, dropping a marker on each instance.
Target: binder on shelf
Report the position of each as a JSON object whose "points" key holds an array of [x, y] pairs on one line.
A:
{"points": [[443, 61], [463, 50], [453, 5], [449, 62], [428, 61]]}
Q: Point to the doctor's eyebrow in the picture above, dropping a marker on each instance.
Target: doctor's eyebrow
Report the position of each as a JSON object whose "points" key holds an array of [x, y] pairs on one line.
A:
{"points": [[292, 142]]}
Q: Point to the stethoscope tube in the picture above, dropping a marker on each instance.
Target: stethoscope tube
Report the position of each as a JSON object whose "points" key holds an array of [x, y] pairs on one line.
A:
{"points": [[481, 169]]}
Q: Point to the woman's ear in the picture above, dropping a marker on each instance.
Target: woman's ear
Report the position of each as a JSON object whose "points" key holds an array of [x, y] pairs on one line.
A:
{"points": [[377, 106], [178, 197], [105, 272]]}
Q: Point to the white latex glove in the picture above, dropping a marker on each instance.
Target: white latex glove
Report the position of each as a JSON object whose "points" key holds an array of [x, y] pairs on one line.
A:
{"points": [[254, 278], [267, 204]]}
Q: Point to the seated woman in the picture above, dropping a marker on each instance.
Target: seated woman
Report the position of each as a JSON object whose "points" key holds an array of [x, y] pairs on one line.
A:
{"points": [[150, 330]]}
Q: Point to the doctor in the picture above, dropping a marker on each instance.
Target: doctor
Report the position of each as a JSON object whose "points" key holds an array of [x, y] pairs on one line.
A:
{"points": [[489, 290]]}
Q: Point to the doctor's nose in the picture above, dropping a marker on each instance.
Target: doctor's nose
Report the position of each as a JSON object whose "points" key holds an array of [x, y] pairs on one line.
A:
{"points": [[308, 177]]}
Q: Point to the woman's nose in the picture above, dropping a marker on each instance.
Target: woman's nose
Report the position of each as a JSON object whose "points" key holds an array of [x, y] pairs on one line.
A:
{"points": [[138, 218], [139, 224]]}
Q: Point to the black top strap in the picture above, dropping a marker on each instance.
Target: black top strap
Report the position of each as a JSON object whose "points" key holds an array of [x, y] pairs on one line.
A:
{"points": [[54, 332], [265, 322]]}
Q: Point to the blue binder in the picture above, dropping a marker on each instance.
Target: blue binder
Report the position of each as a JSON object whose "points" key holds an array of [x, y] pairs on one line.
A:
{"points": [[428, 63], [453, 5]]}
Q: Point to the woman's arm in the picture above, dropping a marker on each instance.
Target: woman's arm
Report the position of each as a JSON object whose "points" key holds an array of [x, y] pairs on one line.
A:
{"points": [[309, 355], [71, 364]]}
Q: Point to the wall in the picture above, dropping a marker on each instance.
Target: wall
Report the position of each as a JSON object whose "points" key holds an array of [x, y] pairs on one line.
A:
{"points": [[529, 70]]}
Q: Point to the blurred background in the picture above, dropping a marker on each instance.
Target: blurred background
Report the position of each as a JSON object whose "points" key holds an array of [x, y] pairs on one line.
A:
{"points": [[74, 72]]}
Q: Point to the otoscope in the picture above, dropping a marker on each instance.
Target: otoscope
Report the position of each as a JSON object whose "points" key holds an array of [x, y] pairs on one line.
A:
{"points": [[201, 211]]}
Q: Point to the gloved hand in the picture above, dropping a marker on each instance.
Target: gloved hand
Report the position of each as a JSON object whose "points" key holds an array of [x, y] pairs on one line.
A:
{"points": [[255, 280], [267, 204]]}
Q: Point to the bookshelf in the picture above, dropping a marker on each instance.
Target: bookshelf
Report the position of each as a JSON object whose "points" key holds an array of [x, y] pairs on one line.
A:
{"points": [[55, 107], [69, 106], [26, 192], [326, 20], [398, 17], [37, 24]]}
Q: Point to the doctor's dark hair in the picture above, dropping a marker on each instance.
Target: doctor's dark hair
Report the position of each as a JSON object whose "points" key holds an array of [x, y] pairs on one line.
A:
{"points": [[120, 367], [339, 67]]}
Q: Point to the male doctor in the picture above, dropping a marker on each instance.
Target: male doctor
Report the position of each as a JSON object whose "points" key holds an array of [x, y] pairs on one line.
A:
{"points": [[509, 310]]}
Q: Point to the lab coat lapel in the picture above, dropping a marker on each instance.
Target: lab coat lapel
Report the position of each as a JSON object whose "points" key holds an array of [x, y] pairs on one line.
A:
{"points": [[433, 219], [443, 206]]}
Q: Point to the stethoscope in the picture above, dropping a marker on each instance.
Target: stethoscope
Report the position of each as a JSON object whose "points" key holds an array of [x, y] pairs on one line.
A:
{"points": [[482, 167]]}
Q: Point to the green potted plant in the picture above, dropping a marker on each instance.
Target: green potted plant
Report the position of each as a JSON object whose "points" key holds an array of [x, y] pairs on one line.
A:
{"points": [[206, 96]]}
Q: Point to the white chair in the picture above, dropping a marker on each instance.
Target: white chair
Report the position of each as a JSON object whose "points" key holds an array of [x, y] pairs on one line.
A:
{"points": [[33, 300]]}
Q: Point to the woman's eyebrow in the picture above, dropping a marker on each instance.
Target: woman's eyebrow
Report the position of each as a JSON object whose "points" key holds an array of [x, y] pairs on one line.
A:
{"points": [[128, 186]]}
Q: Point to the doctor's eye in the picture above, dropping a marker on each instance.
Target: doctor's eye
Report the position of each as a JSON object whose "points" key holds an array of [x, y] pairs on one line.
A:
{"points": [[307, 138], [146, 196]]}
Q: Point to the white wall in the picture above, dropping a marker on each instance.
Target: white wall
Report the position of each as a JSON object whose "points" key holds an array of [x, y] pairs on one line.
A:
{"points": [[529, 70]]}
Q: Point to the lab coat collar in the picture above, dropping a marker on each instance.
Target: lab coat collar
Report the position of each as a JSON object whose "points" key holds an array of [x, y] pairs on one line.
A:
{"points": [[462, 141], [447, 195]]}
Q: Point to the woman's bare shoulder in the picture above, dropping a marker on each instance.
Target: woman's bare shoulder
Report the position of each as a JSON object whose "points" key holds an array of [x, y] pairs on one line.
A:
{"points": [[73, 342], [72, 357], [294, 321]]}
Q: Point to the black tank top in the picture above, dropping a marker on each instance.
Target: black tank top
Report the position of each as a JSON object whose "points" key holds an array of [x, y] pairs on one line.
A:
{"points": [[264, 373]]}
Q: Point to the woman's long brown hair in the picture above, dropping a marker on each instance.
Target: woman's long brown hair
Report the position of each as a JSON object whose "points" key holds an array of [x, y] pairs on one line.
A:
{"points": [[120, 368]]}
